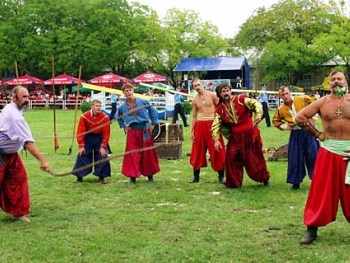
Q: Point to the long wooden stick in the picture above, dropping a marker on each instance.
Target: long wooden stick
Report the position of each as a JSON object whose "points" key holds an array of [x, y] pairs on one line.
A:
{"points": [[16, 69], [76, 110], [56, 143]]}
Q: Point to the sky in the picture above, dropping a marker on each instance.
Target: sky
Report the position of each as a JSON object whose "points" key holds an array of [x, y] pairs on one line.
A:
{"points": [[227, 15]]}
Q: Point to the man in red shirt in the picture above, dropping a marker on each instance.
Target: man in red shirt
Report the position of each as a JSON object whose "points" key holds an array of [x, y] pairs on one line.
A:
{"points": [[234, 113], [93, 135]]}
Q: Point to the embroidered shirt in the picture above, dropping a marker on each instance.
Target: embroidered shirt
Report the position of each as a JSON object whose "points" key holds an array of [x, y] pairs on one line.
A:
{"points": [[94, 124], [285, 115]]}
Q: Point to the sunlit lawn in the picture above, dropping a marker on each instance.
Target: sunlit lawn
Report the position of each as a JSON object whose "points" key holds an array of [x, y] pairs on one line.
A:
{"points": [[168, 221]]}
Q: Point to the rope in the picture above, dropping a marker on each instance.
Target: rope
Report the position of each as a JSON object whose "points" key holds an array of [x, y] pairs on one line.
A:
{"points": [[103, 160], [83, 133]]}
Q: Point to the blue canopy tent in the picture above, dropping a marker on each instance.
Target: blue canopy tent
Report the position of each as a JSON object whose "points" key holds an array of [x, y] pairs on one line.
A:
{"points": [[218, 68]]}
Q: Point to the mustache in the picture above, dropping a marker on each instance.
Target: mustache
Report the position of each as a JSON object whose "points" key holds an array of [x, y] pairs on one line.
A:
{"points": [[24, 104], [337, 86]]}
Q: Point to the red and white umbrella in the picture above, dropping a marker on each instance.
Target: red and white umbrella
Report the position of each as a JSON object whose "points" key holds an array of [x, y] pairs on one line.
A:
{"points": [[63, 79], [149, 77], [25, 80], [109, 79]]}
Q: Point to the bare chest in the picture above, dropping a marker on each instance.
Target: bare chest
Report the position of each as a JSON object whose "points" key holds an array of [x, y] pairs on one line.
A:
{"points": [[336, 110], [204, 102]]}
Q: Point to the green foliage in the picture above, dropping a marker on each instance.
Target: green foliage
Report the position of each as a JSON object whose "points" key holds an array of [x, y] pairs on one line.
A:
{"points": [[286, 19], [85, 106], [295, 36], [333, 44], [187, 107], [127, 38], [294, 55], [121, 36]]}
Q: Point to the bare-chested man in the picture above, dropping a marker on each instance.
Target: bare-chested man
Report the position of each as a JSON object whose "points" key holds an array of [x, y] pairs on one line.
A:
{"points": [[331, 178], [203, 108]]}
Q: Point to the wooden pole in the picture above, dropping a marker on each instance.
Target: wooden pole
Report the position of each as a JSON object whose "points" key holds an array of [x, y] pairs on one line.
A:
{"points": [[76, 110], [56, 143], [16, 69]]}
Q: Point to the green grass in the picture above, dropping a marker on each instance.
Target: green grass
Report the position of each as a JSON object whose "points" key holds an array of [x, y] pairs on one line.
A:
{"points": [[168, 221]]}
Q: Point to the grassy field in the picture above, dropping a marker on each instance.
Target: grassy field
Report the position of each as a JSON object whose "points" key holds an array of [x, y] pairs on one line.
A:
{"points": [[168, 221]]}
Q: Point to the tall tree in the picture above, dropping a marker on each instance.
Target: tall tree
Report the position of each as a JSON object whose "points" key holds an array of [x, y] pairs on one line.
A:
{"points": [[101, 35], [283, 35], [335, 43], [184, 35]]}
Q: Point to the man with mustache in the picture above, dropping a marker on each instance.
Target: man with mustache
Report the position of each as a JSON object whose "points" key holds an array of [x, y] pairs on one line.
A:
{"points": [[15, 134], [234, 114], [302, 147], [331, 179]]}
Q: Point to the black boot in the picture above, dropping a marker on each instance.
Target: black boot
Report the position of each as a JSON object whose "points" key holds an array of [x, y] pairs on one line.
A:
{"points": [[79, 180], [195, 176], [221, 176], [266, 183], [102, 180], [310, 236], [150, 179], [132, 180], [296, 186]]}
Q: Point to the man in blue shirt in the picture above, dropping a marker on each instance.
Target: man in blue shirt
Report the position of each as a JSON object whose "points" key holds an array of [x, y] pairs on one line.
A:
{"points": [[114, 100], [138, 117], [263, 99], [178, 109]]}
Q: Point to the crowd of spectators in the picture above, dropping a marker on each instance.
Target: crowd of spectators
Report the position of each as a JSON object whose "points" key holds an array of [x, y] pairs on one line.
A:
{"points": [[38, 96]]}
